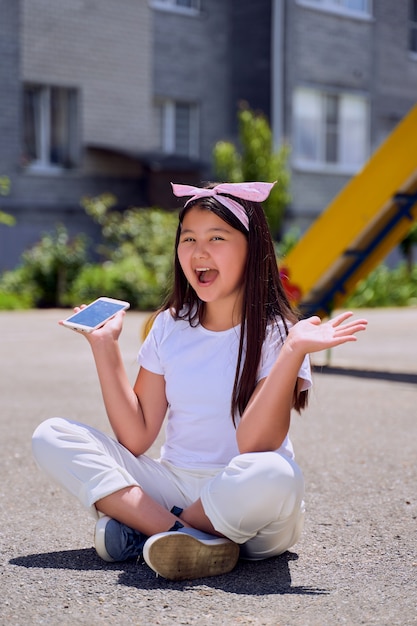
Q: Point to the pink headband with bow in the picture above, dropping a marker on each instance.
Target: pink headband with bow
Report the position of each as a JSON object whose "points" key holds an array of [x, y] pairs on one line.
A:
{"points": [[254, 192]]}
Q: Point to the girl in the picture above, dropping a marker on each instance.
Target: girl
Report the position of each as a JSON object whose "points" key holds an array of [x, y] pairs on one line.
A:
{"points": [[226, 360]]}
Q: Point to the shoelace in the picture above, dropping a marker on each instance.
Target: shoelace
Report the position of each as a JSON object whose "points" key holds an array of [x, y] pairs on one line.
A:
{"points": [[133, 540], [123, 542]]}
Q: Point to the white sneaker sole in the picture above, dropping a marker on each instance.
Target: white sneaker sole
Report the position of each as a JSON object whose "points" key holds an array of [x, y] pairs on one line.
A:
{"points": [[99, 539], [178, 556]]}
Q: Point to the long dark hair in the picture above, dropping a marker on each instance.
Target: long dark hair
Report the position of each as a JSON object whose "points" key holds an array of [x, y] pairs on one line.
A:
{"points": [[264, 298]]}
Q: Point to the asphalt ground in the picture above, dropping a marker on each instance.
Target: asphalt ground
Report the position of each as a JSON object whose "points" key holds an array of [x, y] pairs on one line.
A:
{"points": [[357, 445]]}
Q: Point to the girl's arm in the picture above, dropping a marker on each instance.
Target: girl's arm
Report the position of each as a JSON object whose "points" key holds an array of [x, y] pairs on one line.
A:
{"points": [[266, 419], [135, 415]]}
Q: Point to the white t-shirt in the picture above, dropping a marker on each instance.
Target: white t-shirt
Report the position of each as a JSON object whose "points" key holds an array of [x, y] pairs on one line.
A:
{"points": [[199, 368]]}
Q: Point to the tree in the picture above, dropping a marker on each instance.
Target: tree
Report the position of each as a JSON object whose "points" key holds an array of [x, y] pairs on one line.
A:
{"points": [[256, 161], [5, 218]]}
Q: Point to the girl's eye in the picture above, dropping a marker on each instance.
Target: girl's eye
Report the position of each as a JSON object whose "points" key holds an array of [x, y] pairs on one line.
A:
{"points": [[217, 238]]}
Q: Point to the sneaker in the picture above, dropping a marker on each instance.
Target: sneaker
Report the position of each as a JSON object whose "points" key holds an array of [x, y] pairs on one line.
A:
{"points": [[115, 541], [189, 553]]}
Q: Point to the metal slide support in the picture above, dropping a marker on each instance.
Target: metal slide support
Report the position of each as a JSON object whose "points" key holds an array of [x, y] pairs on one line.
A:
{"points": [[404, 202]]}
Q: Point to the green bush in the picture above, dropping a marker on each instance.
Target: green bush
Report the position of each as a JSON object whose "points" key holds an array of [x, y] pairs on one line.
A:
{"points": [[6, 218], [146, 232], [384, 287], [52, 265], [15, 301], [128, 279], [47, 271], [287, 242], [138, 247], [16, 291], [256, 160]]}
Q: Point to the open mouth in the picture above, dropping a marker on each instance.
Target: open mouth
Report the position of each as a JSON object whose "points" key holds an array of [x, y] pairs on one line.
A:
{"points": [[205, 274]]}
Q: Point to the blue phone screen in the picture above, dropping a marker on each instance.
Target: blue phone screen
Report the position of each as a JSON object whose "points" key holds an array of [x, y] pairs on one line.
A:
{"points": [[96, 313]]}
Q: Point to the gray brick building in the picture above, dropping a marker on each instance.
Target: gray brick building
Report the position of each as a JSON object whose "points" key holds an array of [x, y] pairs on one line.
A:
{"points": [[349, 76], [75, 108], [10, 87], [125, 97]]}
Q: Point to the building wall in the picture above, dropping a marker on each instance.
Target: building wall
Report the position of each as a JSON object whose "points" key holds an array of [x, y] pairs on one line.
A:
{"points": [[250, 55], [395, 70], [323, 50], [191, 64], [10, 87], [368, 56], [104, 49]]}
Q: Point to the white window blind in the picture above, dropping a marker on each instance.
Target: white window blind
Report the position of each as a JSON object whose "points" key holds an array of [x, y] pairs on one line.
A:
{"points": [[50, 126], [330, 129]]}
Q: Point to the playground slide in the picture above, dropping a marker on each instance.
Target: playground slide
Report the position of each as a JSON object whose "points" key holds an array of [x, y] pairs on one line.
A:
{"points": [[366, 220]]}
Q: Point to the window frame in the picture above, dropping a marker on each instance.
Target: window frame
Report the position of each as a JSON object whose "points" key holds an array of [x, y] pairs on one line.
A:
{"points": [[335, 7], [321, 134], [43, 128], [168, 127], [172, 6]]}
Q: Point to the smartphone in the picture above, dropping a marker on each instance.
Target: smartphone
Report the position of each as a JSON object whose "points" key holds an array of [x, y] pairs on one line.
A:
{"points": [[95, 314]]}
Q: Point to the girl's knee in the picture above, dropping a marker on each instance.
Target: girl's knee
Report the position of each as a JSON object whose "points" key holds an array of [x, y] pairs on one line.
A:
{"points": [[272, 477], [48, 427], [46, 437], [267, 466], [253, 492]]}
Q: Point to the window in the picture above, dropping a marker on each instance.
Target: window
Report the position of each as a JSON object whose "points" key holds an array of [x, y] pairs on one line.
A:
{"points": [[330, 130], [350, 7], [413, 26], [190, 4], [179, 128], [184, 6], [50, 127]]}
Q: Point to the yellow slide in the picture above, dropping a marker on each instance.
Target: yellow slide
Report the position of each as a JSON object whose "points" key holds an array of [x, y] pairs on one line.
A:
{"points": [[366, 220]]}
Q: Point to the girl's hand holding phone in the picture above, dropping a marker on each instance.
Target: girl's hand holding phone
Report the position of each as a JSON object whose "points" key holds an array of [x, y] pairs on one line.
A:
{"points": [[102, 313]]}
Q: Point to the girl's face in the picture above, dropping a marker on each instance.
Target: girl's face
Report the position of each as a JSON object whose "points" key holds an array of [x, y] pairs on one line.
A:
{"points": [[212, 255]]}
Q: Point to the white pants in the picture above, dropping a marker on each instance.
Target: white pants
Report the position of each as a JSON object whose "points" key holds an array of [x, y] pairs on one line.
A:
{"points": [[256, 501]]}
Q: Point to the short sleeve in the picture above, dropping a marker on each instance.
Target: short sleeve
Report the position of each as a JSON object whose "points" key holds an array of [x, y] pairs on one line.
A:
{"points": [[149, 353], [275, 337], [304, 374]]}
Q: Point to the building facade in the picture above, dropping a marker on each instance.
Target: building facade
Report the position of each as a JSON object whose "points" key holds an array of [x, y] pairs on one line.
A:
{"points": [[77, 109], [348, 76], [125, 97]]}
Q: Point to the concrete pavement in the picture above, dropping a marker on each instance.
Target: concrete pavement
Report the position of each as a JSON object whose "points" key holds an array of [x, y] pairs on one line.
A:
{"points": [[357, 445]]}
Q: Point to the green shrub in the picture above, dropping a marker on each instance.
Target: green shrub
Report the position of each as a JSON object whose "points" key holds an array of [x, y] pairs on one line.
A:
{"points": [[287, 242], [53, 264], [47, 270], [16, 290], [256, 159], [15, 301], [128, 279], [6, 218], [384, 287], [138, 247]]}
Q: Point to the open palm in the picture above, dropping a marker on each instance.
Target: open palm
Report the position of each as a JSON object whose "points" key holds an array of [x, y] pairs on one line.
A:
{"points": [[312, 334]]}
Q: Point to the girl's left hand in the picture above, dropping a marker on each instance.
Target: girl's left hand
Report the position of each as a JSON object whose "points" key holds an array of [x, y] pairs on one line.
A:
{"points": [[312, 335]]}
